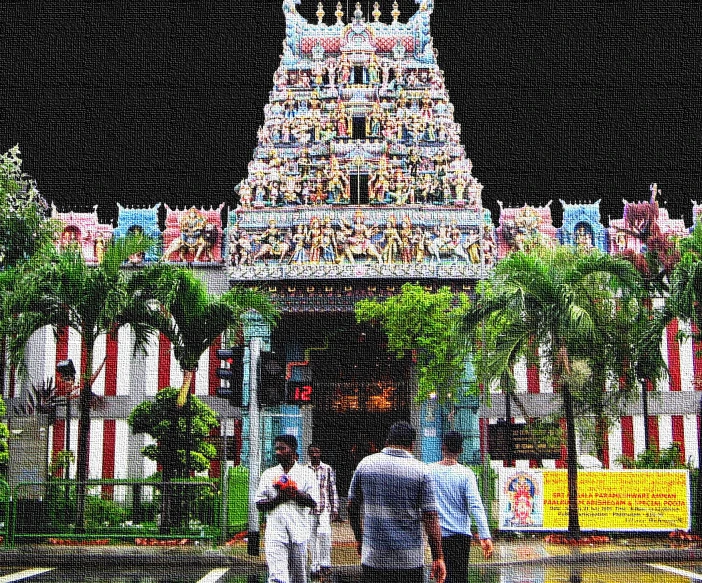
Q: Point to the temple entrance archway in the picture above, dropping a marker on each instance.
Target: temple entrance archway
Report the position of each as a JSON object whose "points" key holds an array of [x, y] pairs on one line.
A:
{"points": [[360, 389]]}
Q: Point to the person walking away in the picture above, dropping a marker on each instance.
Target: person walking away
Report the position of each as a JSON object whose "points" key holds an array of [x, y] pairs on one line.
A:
{"points": [[323, 514], [396, 496], [286, 493], [458, 499]]}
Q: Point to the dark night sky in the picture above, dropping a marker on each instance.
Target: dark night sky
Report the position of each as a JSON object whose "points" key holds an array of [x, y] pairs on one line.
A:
{"points": [[144, 102]]}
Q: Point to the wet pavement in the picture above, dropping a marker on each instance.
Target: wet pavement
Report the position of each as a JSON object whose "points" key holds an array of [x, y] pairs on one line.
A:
{"points": [[527, 559], [678, 572]]}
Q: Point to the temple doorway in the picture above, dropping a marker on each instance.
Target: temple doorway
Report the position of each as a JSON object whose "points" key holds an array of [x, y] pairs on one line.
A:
{"points": [[360, 391]]}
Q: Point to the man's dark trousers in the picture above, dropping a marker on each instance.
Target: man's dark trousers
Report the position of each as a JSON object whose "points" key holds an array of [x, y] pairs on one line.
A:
{"points": [[456, 551], [373, 575]]}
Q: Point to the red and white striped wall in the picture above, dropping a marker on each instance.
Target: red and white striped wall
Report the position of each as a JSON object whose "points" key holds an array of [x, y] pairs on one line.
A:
{"points": [[129, 378], [684, 361], [113, 451]]}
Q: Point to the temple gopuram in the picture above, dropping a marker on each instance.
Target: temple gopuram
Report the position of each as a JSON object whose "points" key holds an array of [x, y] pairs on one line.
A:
{"points": [[358, 184], [359, 173]]}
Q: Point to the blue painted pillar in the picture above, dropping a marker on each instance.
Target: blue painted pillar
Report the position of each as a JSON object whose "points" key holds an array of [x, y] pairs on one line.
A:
{"points": [[290, 423], [466, 419], [431, 422], [254, 328]]}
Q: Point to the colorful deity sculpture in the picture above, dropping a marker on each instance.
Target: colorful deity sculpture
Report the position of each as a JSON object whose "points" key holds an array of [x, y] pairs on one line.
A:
{"points": [[192, 226], [193, 235]]}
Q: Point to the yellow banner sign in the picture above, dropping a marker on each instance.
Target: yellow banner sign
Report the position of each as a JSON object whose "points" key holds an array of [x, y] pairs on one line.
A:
{"points": [[622, 500]]}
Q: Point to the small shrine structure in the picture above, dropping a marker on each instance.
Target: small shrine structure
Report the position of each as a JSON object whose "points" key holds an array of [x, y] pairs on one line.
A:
{"points": [[84, 233], [642, 222], [582, 226], [140, 220], [193, 235], [524, 228]]}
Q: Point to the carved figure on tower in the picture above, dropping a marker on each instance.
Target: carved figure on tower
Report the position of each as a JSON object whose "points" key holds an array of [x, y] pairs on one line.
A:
{"points": [[331, 71], [272, 242], [289, 106], [318, 195], [100, 245], [245, 194], [413, 161], [329, 245], [299, 240], [338, 189], [583, 238], [344, 71], [406, 242], [427, 106], [358, 240], [192, 226], [391, 241], [373, 71], [314, 238]]}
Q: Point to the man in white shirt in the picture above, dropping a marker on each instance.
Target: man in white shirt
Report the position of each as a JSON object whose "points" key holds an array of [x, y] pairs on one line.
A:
{"points": [[286, 493], [322, 516]]}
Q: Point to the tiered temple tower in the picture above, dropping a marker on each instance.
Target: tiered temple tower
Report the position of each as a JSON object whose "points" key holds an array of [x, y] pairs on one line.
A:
{"points": [[358, 183], [359, 171]]}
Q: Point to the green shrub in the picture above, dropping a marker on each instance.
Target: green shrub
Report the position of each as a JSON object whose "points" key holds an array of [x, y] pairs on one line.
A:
{"points": [[101, 512], [655, 459]]}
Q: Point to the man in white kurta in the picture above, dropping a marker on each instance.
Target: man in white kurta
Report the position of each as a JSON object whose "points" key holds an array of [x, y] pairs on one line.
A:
{"points": [[287, 492], [321, 518]]}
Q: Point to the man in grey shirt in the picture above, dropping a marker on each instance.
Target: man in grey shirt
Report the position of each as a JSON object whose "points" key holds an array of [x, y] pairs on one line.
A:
{"points": [[396, 495]]}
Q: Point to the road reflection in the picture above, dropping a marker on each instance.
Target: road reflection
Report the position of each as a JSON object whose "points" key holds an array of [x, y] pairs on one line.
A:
{"points": [[601, 573], [594, 573]]}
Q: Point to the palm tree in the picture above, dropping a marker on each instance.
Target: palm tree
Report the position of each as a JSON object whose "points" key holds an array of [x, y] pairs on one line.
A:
{"points": [[191, 318], [556, 298], [684, 301], [181, 308], [59, 289]]}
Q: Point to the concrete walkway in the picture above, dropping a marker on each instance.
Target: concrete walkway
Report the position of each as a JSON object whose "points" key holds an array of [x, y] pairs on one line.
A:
{"points": [[508, 551]]}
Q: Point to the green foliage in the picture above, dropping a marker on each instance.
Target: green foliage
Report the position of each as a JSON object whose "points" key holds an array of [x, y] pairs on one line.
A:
{"points": [[655, 459], [167, 424], [566, 303], [60, 460], [4, 436], [428, 325], [684, 298], [578, 308], [24, 224], [99, 512], [60, 289], [103, 512], [181, 308], [4, 446]]}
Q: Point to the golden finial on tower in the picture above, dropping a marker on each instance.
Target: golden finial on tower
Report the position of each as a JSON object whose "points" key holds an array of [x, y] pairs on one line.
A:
{"points": [[395, 12], [376, 12], [320, 13], [339, 13]]}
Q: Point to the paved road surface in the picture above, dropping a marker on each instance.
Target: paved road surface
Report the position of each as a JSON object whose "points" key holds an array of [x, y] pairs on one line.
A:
{"points": [[604, 573]]}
